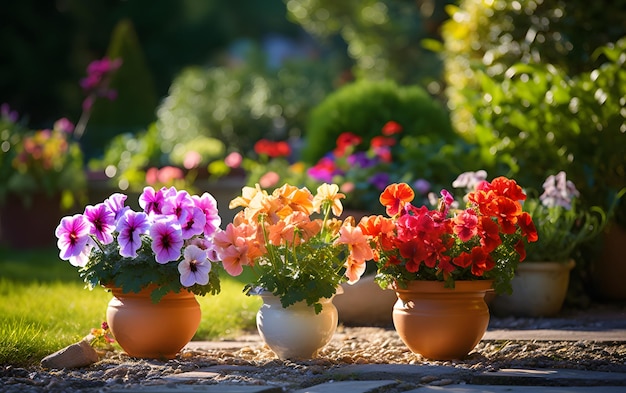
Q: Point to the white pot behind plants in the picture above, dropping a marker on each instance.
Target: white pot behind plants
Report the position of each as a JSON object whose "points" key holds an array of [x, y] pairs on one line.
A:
{"points": [[539, 290]]}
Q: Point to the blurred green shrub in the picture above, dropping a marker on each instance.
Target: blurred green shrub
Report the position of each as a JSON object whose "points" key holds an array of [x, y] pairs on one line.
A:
{"points": [[539, 86], [364, 107], [242, 104]]}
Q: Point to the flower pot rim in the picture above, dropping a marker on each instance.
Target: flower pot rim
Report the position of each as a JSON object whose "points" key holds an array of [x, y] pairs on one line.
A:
{"points": [[546, 265], [264, 292], [439, 286]]}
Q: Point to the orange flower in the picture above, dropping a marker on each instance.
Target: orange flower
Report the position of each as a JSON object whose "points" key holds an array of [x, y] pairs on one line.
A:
{"points": [[328, 193], [357, 242], [395, 196]]}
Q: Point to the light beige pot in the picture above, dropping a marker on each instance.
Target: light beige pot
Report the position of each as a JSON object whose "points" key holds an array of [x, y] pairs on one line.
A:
{"points": [[365, 303], [296, 332], [539, 290]]}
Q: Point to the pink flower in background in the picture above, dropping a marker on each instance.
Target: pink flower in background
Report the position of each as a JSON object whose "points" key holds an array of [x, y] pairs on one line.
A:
{"points": [[63, 125], [270, 179], [233, 160], [193, 159]]}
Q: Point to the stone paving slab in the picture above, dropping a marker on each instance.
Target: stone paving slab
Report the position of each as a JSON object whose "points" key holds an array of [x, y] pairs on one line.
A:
{"points": [[347, 387], [610, 335], [550, 377], [184, 388], [516, 389]]}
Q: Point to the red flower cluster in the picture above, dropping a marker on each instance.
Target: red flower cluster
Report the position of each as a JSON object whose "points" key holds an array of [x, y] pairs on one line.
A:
{"points": [[272, 149], [446, 243]]}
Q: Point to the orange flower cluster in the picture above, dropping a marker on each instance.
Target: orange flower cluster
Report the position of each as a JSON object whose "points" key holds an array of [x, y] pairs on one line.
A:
{"points": [[290, 231]]}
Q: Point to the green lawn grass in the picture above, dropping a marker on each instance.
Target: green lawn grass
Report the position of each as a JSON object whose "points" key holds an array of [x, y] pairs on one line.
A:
{"points": [[44, 306]]}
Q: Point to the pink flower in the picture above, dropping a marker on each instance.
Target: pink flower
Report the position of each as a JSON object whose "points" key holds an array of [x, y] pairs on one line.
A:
{"points": [[115, 203], [208, 205], [102, 221], [73, 236], [151, 201], [167, 239], [270, 179], [194, 224], [130, 228], [178, 204], [64, 125], [233, 160], [195, 267], [192, 160], [235, 248]]}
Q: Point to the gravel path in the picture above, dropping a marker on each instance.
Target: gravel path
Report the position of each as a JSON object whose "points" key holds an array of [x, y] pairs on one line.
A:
{"points": [[256, 364]]}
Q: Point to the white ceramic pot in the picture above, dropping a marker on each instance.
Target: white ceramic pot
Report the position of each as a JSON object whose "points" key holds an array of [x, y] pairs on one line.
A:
{"points": [[539, 290], [296, 332]]}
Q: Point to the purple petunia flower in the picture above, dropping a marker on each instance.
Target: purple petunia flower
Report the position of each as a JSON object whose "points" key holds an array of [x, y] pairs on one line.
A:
{"points": [[151, 201], [116, 204], [180, 205], [194, 223], [130, 228], [208, 205], [102, 221], [195, 267], [73, 237], [167, 239]]}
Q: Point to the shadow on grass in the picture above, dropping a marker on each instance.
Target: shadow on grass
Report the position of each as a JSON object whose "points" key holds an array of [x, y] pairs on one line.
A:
{"points": [[36, 265]]}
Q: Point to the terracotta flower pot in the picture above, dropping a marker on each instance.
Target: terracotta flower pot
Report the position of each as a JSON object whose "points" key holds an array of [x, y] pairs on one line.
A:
{"points": [[441, 323], [153, 330], [296, 332], [539, 290]]}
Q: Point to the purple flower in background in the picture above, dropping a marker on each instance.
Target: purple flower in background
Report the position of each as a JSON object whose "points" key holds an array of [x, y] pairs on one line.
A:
{"points": [[195, 267], [7, 113], [167, 239], [379, 180], [73, 237], [102, 222], [63, 125], [422, 186], [324, 170], [558, 191], [362, 160], [469, 180], [130, 227], [208, 205]]}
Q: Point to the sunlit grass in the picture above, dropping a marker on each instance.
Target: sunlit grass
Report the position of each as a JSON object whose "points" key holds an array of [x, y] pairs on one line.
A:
{"points": [[45, 307]]}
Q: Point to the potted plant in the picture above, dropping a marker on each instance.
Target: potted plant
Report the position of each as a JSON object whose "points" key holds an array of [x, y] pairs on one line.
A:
{"points": [[42, 170], [299, 253], [42, 174], [442, 261], [154, 260], [540, 285]]}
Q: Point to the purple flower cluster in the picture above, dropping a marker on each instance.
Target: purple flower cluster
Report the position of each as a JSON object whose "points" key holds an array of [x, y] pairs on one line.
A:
{"points": [[558, 191], [180, 227], [96, 83]]}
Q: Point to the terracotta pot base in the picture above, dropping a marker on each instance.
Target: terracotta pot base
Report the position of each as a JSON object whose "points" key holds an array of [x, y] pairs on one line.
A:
{"points": [[441, 323], [153, 330]]}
